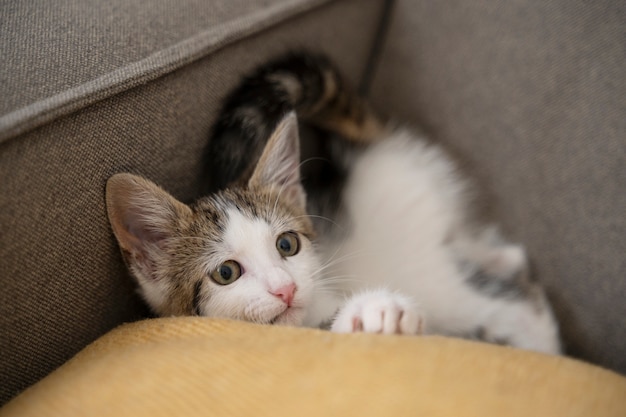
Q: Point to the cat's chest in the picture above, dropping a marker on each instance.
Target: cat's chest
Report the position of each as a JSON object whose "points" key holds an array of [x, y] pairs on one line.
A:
{"points": [[399, 191], [397, 217]]}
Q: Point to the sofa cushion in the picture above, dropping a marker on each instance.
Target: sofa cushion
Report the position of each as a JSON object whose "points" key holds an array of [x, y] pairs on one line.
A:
{"points": [[103, 87], [61, 56], [203, 367], [532, 96]]}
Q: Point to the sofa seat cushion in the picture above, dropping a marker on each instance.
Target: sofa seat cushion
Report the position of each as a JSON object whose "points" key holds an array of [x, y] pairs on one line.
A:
{"points": [[200, 366]]}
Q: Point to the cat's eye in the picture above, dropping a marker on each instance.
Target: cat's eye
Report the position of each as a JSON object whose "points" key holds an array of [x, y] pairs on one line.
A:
{"points": [[288, 244], [226, 273]]}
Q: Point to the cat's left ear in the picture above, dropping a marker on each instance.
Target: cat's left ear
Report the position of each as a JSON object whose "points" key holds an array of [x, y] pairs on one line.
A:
{"points": [[279, 164]]}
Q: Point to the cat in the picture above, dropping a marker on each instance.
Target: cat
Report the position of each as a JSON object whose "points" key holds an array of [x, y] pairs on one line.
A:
{"points": [[379, 238]]}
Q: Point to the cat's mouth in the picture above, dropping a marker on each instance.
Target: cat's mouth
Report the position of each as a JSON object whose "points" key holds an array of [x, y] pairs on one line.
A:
{"points": [[289, 316], [275, 319]]}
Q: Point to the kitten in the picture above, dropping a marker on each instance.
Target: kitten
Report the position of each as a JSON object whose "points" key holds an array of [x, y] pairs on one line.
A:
{"points": [[383, 244]]}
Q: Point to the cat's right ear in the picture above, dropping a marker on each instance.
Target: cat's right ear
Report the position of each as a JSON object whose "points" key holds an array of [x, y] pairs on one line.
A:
{"points": [[143, 216]]}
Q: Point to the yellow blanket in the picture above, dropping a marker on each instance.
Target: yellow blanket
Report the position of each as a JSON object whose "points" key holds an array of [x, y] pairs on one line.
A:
{"points": [[204, 367]]}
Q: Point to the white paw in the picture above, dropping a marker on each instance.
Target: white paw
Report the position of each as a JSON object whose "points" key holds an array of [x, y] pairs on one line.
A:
{"points": [[378, 312]]}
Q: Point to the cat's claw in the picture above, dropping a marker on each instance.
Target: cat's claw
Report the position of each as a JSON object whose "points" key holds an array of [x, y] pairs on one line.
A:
{"points": [[378, 312]]}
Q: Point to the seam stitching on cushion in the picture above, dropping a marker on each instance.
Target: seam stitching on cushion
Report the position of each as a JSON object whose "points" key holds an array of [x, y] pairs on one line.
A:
{"points": [[148, 69]]}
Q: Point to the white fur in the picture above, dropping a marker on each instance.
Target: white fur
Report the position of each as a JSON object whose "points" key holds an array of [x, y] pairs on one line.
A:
{"points": [[378, 311], [406, 207]]}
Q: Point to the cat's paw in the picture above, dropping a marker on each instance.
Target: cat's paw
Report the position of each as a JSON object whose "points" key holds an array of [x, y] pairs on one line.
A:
{"points": [[378, 312]]}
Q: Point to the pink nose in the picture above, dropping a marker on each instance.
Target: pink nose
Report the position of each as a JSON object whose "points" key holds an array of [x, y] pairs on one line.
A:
{"points": [[285, 293]]}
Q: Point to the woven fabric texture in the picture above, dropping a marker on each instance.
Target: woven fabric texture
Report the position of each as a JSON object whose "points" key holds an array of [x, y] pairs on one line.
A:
{"points": [[204, 367], [61, 57], [532, 97], [62, 277]]}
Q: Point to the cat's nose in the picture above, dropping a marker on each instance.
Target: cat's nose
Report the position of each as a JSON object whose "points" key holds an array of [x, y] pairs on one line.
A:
{"points": [[285, 293]]}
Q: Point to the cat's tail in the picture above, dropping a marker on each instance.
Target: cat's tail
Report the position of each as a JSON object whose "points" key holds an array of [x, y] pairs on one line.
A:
{"points": [[302, 81]]}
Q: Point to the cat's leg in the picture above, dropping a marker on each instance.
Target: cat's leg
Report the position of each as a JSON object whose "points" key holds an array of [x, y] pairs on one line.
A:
{"points": [[378, 311], [491, 253], [500, 303], [526, 324], [520, 314]]}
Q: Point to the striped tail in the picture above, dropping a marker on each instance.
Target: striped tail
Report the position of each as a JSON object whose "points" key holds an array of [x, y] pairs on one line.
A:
{"points": [[304, 82]]}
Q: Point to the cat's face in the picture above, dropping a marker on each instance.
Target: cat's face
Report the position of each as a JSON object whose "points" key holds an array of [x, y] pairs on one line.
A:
{"points": [[258, 264], [244, 253]]}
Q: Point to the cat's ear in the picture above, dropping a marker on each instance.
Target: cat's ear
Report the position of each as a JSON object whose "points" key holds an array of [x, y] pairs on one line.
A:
{"points": [[143, 216], [279, 164]]}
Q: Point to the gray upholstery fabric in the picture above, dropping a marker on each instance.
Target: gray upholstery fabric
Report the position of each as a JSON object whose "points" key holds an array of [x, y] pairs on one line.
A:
{"points": [[60, 56], [532, 95], [62, 278]]}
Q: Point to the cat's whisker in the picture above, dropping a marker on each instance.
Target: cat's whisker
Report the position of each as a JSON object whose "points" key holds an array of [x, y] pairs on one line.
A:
{"points": [[339, 248], [311, 159], [329, 291], [339, 279], [191, 238], [334, 262], [280, 192], [334, 284], [322, 218], [295, 171]]}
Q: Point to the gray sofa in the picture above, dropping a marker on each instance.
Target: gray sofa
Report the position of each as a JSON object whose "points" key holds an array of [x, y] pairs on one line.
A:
{"points": [[529, 95]]}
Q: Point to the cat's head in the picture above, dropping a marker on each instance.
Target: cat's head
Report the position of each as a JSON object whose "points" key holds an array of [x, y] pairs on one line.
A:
{"points": [[243, 253]]}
